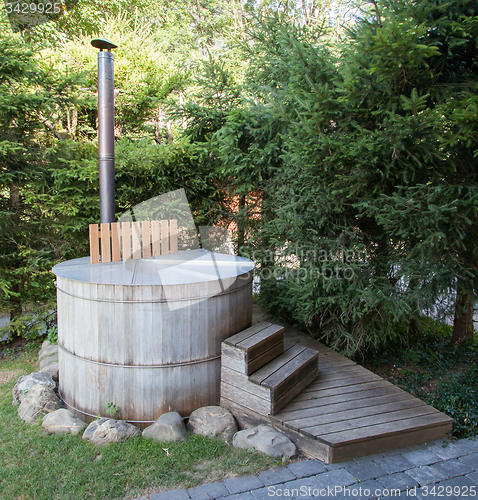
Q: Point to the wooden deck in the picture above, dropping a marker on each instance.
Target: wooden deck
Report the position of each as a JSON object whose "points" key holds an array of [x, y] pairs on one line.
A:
{"points": [[348, 411]]}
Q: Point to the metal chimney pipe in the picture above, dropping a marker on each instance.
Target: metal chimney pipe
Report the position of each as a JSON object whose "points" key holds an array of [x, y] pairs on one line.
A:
{"points": [[106, 124]]}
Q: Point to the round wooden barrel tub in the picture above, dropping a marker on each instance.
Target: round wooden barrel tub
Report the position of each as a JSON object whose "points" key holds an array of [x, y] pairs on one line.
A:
{"points": [[145, 336]]}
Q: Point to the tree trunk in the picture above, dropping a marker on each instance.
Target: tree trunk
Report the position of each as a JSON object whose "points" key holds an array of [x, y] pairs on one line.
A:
{"points": [[161, 123], [72, 121], [414, 323], [267, 248], [15, 304], [241, 225], [463, 320]]}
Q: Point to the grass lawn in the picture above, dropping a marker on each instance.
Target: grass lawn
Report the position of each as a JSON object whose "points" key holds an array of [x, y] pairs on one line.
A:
{"points": [[35, 465]]}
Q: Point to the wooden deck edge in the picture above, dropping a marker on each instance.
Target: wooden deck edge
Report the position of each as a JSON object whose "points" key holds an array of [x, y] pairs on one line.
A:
{"points": [[244, 416], [311, 448], [315, 449], [386, 443], [248, 418]]}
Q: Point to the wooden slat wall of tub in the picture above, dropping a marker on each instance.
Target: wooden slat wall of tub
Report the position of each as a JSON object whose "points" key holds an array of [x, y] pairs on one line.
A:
{"points": [[142, 349], [132, 240]]}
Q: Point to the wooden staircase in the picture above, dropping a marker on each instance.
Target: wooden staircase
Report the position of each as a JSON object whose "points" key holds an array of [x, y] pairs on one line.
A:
{"points": [[344, 413], [257, 372]]}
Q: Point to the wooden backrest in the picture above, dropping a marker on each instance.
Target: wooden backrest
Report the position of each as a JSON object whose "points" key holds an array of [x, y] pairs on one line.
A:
{"points": [[132, 240]]}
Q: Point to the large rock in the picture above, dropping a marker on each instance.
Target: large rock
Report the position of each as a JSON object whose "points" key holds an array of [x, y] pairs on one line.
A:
{"points": [[169, 427], [39, 401], [62, 421], [48, 361], [212, 421], [47, 350], [267, 440], [26, 382], [53, 370], [108, 430]]}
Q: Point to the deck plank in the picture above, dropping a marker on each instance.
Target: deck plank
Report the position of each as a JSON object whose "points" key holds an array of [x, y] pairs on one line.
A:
{"points": [[348, 411], [266, 371], [327, 417], [352, 398], [369, 432], [334, 408], [350, 389], [245, 334], [373, 422]]}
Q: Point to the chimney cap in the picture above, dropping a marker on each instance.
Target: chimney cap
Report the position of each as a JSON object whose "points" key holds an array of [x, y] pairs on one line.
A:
{"points": [[102, 43]]}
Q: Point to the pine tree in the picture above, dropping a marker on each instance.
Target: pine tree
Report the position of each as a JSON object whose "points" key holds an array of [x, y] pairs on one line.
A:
{"points": [[380, 165], [30, 96]]}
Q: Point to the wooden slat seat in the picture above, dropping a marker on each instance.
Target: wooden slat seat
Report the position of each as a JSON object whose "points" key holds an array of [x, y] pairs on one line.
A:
{"points": [[132, 240]]}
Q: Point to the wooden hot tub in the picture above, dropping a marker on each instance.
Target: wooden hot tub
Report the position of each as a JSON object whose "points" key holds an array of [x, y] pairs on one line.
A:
{"points": [[146, 337]]}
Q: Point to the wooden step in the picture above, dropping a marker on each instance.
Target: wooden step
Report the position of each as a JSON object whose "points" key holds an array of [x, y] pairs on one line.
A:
{"points": [[271, 387], [284, 374], [251, 349], [347, 412]]}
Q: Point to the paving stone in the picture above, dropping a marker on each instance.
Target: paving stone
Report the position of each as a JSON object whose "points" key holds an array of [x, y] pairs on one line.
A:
{"points": [[394, 464], [339, 465], [473, 476], [208, 491], [343, 464], [171, 495], [421, 446], [458, 485], [399, 481], [240, 496], [365, 490], [301, 487], [274, 476], [397, 494], [241, 484], [453, 468], [265, 493], [421, 457], [335, 495], [368, 458], [365, 471], [426, 475], [393, 453], [447, 452], [440, 442], [338, 477], [306, 468], [469, 445], [471, 460], [423, 494]]}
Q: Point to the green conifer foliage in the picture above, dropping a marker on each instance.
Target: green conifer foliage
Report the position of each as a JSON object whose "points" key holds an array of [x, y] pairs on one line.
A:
{"points": [[376, 204], [30, 96]]}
